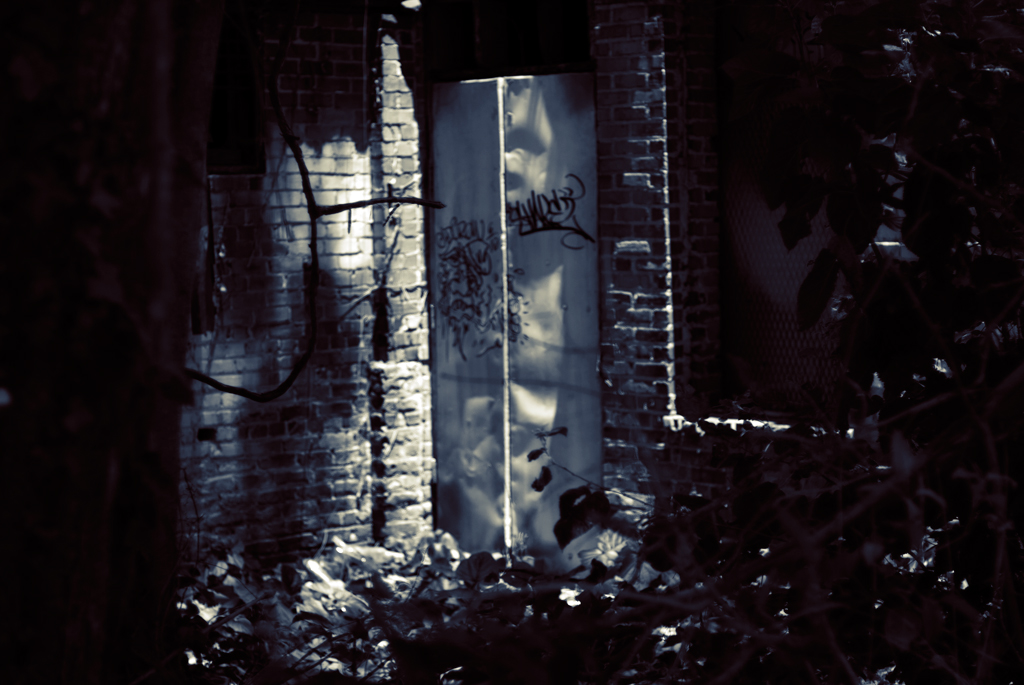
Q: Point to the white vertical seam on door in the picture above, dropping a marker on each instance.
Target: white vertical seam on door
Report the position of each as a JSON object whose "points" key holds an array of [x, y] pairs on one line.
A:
{"points": [[505, 382]]}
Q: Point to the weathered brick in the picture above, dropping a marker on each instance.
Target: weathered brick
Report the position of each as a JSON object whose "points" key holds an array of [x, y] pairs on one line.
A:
{"points": [[633, 62], [636, 179]]}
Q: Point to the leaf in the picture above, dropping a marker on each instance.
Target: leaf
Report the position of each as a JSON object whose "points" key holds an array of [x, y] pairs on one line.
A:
{"points": [[315, 619], [240, 624], [281, 613], [536, 454], [479, 567], [543, 479], [571, 499], [817, 289], [579, 510]]}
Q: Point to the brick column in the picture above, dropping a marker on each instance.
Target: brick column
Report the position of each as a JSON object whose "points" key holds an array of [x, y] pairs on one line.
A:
{"points": [[633, 205], [404, 470], [657, 211], [694, 181]]}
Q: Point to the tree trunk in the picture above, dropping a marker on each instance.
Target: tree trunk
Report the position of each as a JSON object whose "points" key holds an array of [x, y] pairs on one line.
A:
{"points": [[104, 117]]}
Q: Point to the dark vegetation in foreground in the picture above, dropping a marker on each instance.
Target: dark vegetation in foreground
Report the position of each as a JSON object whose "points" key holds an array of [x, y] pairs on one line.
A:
{"points": [[819, 565]]}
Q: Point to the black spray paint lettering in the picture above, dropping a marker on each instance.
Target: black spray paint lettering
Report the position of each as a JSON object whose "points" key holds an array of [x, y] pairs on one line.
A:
{"points": [[470, 287], [552, 211], [515, 323]]}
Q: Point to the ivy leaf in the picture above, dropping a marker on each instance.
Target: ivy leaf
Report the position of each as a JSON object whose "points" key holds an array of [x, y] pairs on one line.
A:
{"points": [[817, 289], [536, 454], [316, 619], [570, 499], [240, 624], [479, 568], [579, 510], [543, 479]]}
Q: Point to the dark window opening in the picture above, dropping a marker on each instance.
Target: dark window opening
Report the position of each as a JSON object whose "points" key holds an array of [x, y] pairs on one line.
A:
{"points": [[235, 144], [486, 38]]}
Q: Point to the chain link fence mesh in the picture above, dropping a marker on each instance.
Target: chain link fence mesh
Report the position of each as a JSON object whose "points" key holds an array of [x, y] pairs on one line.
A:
{"points": [[765, 352]]}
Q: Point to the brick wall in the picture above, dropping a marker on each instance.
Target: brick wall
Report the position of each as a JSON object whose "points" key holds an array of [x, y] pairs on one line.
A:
{"points": [[658, 225], [281, 475], [348, 449], [692, 96], [690, 42]]}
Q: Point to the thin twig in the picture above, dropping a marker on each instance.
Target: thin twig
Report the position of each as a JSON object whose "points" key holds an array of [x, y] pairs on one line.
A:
{"points": [[602, 487], [213, 626], [833, 645], [337, 209], [1013, 304], [965, 187], [638, 643], [861, 309], [266, 396], [923, 406], [297, 665]]}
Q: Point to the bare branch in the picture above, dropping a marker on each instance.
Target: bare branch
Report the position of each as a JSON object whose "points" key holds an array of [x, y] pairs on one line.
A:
{"points": [[205, 631], [279, 390], [337, 209], [965, 187]]}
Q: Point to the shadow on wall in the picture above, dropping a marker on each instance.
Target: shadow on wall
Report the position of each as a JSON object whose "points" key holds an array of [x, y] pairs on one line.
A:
{"points": [[276, 475], [279, 475]]}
